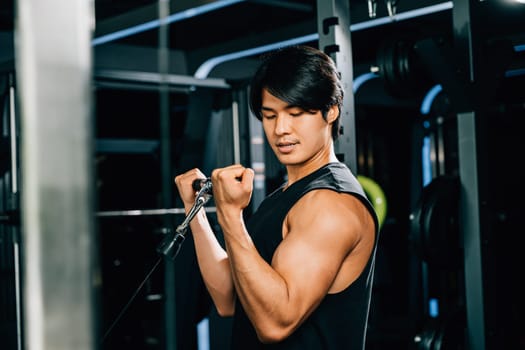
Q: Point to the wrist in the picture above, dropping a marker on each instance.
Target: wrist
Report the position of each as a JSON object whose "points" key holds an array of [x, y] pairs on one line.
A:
{"points": [[229, 218]]}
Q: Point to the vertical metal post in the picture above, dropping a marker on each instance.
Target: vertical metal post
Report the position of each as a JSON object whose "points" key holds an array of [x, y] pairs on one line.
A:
{"points": [[170, 307], [248, 141], [54, 74], [15, 204], [236, 133], [256, 149], [13, 135], [470, 223], [333, 25], [470, 123]]}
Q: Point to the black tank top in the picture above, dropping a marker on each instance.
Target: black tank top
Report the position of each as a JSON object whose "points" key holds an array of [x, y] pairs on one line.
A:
{"points": [[339, 322]]}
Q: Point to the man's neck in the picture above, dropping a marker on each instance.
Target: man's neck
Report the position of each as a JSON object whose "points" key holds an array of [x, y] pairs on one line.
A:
{"points": [[297, 172]]}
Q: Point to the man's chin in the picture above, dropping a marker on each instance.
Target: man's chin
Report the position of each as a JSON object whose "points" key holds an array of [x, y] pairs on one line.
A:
{"points": [[288, 160]]}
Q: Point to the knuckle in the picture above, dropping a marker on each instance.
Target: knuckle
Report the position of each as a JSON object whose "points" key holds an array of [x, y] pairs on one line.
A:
{"points": [[215, 173]]}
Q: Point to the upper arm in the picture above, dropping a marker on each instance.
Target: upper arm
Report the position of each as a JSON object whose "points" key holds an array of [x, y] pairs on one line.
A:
{"points": [[323, 229]]}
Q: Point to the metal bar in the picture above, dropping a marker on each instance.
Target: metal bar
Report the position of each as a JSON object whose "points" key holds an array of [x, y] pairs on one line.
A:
{"points": [[137, 86], [18, 289], [15, 231], [147, 212], [54, 72], [470, 225], [155, 78], [13, 134], [291, 5], [257, 153], [467, 51], [151, 21], [236, 133], [170, 280], [333, 25]]}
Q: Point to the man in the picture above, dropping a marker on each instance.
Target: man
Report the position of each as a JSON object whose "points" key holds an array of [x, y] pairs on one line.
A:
{"points": [[298, 274]]}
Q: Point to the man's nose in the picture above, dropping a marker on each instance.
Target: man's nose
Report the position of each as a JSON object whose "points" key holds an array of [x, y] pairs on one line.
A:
{"points": [[282, 124]]}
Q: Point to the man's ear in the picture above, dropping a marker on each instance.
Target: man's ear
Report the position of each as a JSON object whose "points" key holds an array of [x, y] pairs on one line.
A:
{"points": [[333, 114]]}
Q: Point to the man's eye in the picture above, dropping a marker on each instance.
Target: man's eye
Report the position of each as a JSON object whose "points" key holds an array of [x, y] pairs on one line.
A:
{"points": [[270, 116]]}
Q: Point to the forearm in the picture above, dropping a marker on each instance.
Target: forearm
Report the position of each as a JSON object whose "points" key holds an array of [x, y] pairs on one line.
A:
{"points": [[261, 290], [213, 264]]}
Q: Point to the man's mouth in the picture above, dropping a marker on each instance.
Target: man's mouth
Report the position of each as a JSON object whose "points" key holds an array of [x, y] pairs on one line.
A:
{"points": [[286, 147]]}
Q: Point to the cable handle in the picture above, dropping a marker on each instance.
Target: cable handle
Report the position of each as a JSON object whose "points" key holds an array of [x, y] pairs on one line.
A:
{"points": [[171, 245], [203, 186]]}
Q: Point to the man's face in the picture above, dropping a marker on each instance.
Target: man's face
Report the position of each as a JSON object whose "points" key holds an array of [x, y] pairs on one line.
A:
{"points": [[295, 135]]}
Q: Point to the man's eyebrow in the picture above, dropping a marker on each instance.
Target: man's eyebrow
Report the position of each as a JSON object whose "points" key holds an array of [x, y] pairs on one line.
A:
{"points": [[290, 106]]}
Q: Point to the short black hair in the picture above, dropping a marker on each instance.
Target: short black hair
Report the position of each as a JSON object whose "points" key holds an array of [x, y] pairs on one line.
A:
{"points": [[302, 76]]}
